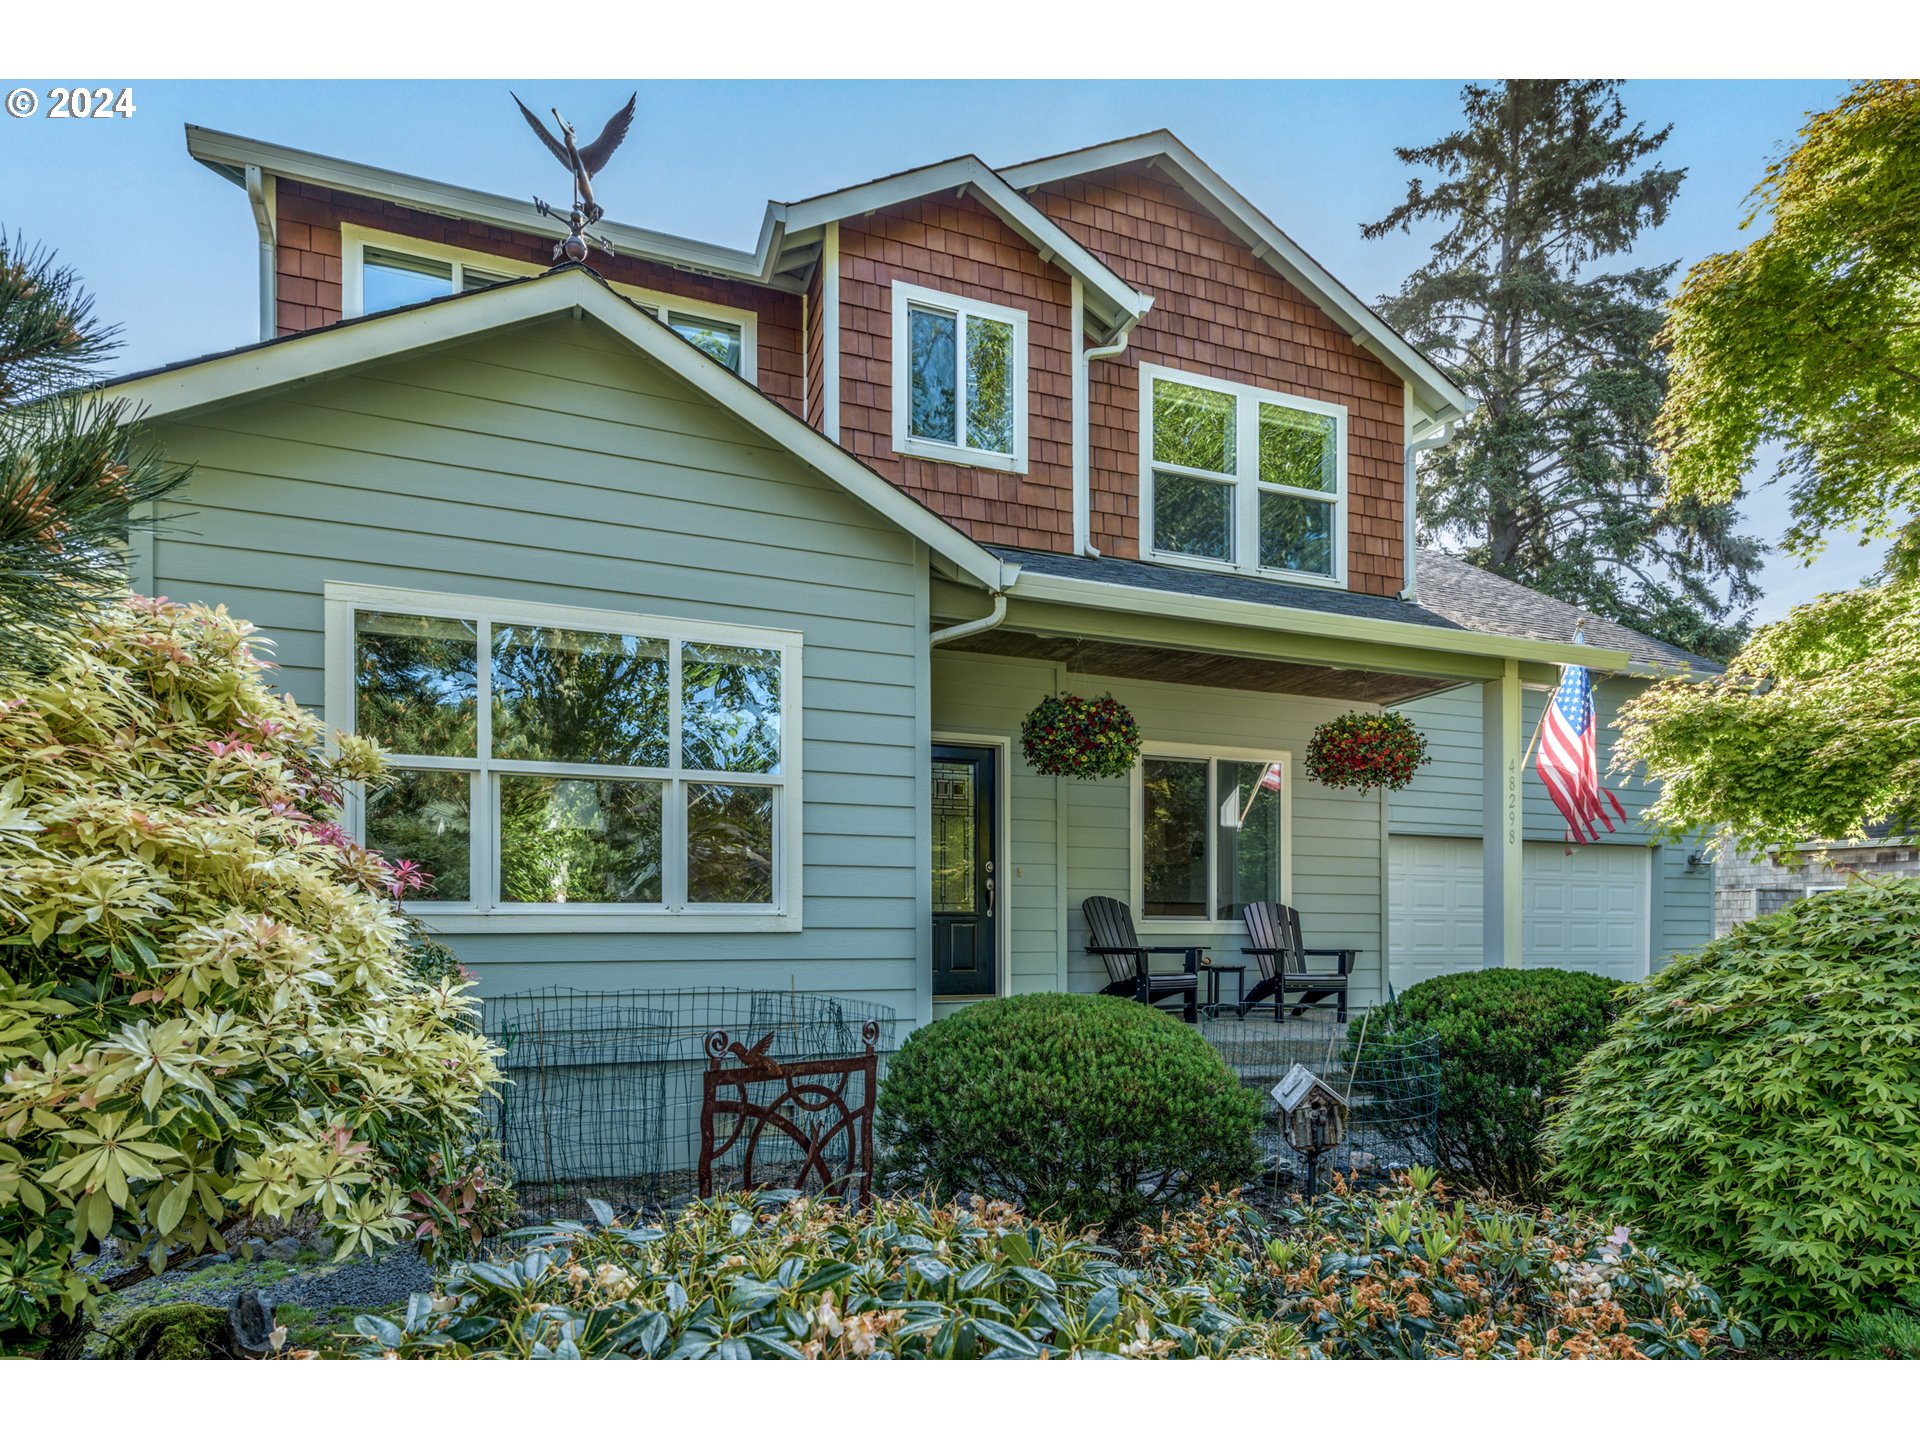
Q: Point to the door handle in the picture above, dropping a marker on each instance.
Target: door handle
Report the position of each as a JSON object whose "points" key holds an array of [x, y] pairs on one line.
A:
{"points": [[989, 889]]}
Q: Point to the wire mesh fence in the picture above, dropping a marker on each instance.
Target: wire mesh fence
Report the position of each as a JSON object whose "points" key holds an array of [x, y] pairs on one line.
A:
{"points": [[604, 1090], [1390, 1083]]}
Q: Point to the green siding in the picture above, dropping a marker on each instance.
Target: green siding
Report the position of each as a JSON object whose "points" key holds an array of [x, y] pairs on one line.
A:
{"points": [[1085, 826], [1444, 799], [557, 465]]}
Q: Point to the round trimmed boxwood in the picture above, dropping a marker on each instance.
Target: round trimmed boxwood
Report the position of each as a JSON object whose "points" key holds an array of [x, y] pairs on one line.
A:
{"points": [[1508, 1039], [1088, 1109], [1756, 1110]]}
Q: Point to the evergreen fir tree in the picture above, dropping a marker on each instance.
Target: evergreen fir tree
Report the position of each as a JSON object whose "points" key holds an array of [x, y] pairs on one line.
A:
{"points": [[73, 477], [1555, 481]]}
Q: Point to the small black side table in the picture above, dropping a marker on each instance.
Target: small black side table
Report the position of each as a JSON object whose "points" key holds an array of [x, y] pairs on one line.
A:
{"points": [[1212, 972]]}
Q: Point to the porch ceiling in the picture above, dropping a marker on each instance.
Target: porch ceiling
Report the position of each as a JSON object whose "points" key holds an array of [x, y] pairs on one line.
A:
{"points": [[1190, 667]]}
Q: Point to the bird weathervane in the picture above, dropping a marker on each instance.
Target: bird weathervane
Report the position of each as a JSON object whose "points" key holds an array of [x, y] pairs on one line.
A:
{"points": [[583, 162]]}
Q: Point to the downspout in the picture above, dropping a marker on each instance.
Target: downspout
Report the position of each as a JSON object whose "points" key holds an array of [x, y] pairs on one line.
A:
{"points": [[972, 627], [1082, 402], [257, 196], [1410, 504]]}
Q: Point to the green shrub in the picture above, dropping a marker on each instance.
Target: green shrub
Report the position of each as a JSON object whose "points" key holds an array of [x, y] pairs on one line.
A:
{"points": [[1889, 1334], [206, 1012], [1404, 1274], [766, 1278], [1508, 1040], [1088, 1109], [1756, 1108]]}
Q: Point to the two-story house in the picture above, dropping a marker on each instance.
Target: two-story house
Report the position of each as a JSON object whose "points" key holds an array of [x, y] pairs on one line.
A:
{"points": [[700, 593]]}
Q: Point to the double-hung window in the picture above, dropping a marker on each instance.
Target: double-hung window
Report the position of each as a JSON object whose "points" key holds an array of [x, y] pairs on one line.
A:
{"points": [[1240, 478], [959, 379], [1211, 833], [552, 762]]}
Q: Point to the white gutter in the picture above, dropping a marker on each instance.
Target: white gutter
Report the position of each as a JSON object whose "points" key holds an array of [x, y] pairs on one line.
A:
{"points": [[1410, 504], [1082, 402], [258, 196], [1259, 615]]}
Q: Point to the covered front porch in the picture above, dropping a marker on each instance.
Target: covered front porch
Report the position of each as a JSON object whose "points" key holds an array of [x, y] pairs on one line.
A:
{"points": [[1227, 688]]}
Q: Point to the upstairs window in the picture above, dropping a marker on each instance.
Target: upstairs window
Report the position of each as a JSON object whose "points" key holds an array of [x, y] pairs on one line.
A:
{"points": [[387, 272], [560, 762], [959, 379], [1239, 478], [390, 279]]}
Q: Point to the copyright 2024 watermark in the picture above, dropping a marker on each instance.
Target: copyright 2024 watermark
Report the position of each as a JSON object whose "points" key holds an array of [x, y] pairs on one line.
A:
{"points": [[72, 102]]}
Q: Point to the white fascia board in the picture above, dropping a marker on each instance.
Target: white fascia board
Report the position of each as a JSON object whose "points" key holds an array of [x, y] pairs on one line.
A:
{"points": [[1123, 305], [1269, 244], [229, 155], [1104, 595], [222, 379]]}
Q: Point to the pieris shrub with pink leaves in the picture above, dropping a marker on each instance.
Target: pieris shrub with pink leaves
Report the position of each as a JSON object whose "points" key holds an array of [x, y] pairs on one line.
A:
{"points": [[206, 1007]]}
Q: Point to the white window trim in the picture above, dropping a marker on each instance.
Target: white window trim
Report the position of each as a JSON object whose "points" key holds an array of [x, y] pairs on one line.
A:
{"points": [[343, 599], [904, 441], [355, 240], [1247, 487], [1136, 819]]}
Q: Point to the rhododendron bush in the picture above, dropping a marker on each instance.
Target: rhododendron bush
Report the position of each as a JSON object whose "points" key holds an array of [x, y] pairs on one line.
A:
{"points": [[206, 1007]]}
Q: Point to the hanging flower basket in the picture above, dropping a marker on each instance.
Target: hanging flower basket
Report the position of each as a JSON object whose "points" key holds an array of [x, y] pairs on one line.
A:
{"points": [[1359, 752], [1081, 738]]}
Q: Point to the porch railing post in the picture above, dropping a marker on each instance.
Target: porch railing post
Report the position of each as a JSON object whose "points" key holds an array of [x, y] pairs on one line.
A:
{"points": [[1501, 758]]}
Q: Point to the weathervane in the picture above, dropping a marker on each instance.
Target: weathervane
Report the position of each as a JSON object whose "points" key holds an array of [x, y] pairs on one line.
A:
{"points": [[583, 163]]}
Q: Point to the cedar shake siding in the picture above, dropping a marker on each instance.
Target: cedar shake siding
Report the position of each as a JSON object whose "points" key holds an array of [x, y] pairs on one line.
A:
{"points": [[308, 285], [960, 248], [1218, 311]]}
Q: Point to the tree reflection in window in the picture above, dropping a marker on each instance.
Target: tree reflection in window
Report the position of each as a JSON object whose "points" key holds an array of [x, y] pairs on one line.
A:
{"points": [[730, 709], [579, 696], [416, 683]]}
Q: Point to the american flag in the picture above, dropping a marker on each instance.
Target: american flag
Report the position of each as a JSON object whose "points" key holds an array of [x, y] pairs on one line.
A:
{"points": [[1568, 761]]}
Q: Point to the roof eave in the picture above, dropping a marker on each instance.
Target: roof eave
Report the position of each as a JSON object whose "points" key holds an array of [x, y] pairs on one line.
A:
{"points": [[1114, 303], [229, 156]]}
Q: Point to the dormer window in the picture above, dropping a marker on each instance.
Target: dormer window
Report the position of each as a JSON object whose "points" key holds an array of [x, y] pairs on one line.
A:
{"points": [[1237, 478], [959, 379], [388, 272]]}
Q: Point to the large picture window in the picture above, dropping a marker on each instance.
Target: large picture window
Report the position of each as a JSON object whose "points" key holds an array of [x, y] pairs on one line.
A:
{"points": [[959, 379], [1240, 478], [1211, 834], [550, 761]]}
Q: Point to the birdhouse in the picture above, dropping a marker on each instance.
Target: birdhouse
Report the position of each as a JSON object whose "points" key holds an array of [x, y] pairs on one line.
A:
{"points": [[1313, 1116]]}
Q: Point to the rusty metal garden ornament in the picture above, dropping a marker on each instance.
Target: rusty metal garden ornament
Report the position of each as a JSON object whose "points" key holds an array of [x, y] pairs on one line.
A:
{"points": [[583, 163], [804, 1102]]}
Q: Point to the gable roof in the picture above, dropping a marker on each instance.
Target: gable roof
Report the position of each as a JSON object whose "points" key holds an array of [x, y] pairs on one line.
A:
{"points": [[270, 365], [1492, 604], [1110, 300], [1165, 151]]}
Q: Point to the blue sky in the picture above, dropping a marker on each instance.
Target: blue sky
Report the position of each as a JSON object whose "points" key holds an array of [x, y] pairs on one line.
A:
{"points": [[168, 247]]}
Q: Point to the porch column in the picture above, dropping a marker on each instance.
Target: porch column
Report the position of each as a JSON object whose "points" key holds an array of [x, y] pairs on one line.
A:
{"points": [[1501, 739]]}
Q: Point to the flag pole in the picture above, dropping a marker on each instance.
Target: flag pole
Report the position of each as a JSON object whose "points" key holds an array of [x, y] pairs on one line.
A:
{"points": [[1535, 740]]}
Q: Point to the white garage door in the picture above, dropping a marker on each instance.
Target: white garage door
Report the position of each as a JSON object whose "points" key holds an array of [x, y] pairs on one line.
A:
{"points": [[1584, 911]]}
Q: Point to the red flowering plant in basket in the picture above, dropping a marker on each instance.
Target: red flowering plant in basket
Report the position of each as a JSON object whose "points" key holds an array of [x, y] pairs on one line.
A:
{"points": [[1357, 751], [1081, 738]]}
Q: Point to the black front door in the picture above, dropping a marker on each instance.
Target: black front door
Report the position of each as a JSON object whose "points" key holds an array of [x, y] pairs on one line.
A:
{"points": [[964, 879]]}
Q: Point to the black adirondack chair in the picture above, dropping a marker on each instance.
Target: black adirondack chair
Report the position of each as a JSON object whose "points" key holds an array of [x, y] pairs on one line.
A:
{"points": [[1111, 936], [1275, 932]]}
